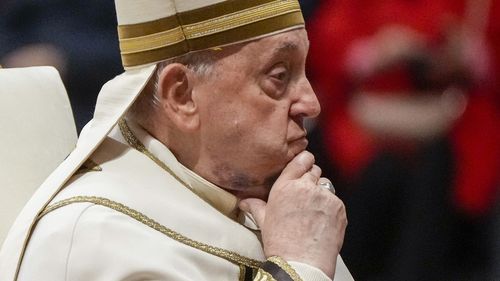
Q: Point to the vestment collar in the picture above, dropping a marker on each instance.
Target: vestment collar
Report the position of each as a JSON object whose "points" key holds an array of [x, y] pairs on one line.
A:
{"points": [[133, 134]]}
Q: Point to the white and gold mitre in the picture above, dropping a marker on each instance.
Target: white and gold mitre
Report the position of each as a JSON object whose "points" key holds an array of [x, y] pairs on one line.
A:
{"points": [[154, 30]]}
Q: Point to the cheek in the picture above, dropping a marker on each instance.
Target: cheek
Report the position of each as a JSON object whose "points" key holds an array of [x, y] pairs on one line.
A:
{"points": [[268, 136]]}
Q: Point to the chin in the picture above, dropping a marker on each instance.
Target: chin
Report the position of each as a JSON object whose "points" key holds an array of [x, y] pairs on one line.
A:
{"points": [[296, 147]]}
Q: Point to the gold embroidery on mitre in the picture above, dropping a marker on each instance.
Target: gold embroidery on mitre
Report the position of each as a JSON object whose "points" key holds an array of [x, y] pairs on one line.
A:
{"points": [[240, 18], [230, 256], [212, 26], [152, 41]]}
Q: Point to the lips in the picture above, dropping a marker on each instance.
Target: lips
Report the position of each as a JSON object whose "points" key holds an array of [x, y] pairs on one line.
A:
{"points": [[301, 143], [293, 139]]}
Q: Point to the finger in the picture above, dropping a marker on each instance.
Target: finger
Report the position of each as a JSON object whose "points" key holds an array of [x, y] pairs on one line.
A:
{"points": [[313, 175], [256, 207], [296, 168], [316, 172]]}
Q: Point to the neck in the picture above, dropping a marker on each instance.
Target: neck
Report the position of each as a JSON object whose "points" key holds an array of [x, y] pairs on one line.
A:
{"points": [[212, 168], [239, 183]]}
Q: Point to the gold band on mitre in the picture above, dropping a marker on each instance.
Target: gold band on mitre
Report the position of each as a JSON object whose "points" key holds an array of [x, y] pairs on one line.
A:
{"points": [[216, 25]]}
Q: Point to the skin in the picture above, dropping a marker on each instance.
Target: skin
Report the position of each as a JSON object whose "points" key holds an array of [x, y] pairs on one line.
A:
{"points": [[259, 96], [241, 127]]}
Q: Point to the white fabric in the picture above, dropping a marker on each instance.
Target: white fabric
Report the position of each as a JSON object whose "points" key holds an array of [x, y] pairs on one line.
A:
{"points": [[140, 11], [220, 199], [188, 5], [38, 132], [223, 201], [115, 98], [88, 242], [311, 273], [91, 242]]}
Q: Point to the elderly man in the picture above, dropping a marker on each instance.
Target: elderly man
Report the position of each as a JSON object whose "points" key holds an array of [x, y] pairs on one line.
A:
{"points": [[194, 166]]}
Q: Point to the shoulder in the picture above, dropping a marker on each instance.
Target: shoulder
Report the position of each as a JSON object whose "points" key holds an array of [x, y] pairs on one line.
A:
{"points": [[95, 241]]}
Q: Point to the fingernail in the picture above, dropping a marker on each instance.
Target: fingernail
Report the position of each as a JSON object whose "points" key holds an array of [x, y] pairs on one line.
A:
{"points": [[304, 157]]}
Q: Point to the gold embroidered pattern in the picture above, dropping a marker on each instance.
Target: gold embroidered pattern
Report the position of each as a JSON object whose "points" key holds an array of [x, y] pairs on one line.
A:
{"points": [[151, 41], [211, 26], [138, 216], [263, 276], [285, 266], [247, 273], [89, 166], [243, 271], [136, 144], [240, 18]]}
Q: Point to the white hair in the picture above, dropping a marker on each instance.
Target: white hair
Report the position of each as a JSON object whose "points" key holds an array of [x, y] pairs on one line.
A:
{"points": [[201, 63]]}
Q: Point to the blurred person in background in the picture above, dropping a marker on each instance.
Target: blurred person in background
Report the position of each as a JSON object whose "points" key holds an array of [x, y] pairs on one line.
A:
{"points": [[410, 128], [77, 37]]}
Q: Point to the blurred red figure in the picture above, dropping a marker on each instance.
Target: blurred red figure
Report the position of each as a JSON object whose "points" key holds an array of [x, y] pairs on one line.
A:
{"points": [[418, 80]]}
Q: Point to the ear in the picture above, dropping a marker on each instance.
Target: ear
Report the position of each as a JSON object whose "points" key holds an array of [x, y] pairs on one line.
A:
{"points": [[175, 88]]}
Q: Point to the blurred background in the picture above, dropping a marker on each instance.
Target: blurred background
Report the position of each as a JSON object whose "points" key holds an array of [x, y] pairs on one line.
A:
{"points": [[409, 131]]}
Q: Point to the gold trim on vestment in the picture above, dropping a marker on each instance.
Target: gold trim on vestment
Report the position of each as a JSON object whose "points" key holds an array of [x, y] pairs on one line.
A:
{"points": [[88, 166], [220, 24], [247, 273], [243, 270], [279, 261], [135, 143], [138, 216], [263, 276]]}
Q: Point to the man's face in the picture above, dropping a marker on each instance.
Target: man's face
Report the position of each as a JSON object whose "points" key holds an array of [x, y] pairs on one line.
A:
{"points": [[252, 110]]}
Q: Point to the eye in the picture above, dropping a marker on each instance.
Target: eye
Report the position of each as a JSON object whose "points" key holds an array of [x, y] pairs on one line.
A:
{"points": [[279, 73], [276, 80]]}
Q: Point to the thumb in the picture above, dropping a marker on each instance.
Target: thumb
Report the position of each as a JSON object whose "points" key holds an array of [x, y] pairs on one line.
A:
{"points": [[301, 164], [256, 207]]}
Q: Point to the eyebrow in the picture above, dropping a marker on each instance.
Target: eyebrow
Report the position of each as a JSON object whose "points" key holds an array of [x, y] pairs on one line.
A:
{"points": [[287, 47]]}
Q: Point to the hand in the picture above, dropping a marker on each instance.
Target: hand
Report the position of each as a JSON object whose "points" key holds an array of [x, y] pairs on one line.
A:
{"points": [[301, 221]]}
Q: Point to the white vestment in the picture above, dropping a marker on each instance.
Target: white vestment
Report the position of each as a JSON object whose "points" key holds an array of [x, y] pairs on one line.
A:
{"points": [[136, 213]]}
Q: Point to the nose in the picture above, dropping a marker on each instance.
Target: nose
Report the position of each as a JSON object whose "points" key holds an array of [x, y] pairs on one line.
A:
{"points": [[306, 103]]}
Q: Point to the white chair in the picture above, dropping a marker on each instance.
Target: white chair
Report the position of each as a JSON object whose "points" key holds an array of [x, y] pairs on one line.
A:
{"points": [[37, 131]]}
